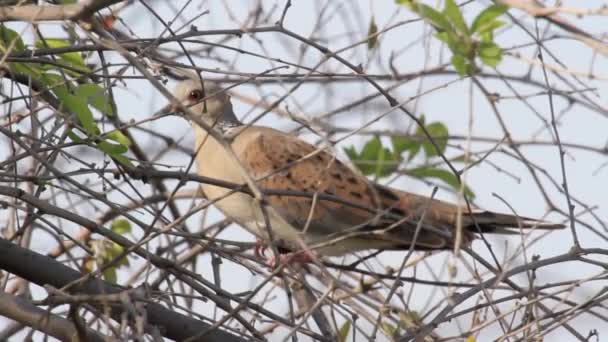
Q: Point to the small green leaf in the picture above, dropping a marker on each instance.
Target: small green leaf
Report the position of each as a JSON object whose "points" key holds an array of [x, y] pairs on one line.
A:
{"points": [[371, 150], [403, 144], [73, 103], [453, 13], [113, 251], [374, 158], [79, 106], [343, 333], [443, 36], [432, 16], [109, 275], [112, 149], [8, 37], [389, 329], [414, 151], [123, 160], [74, 137], [386, 163], [121, 226], [351, 152], [490, 53], [487, 34], [73, 59], [409, 319], [444, 175], [96, 96], [439, 132], [119, 137], [487, 16], [457, 44], [56, 84], [460, 64], [372, 39], [30, 69], [361, 161]]}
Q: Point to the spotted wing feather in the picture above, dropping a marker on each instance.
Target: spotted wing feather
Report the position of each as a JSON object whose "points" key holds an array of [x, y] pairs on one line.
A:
{"points": [[341, 202]]}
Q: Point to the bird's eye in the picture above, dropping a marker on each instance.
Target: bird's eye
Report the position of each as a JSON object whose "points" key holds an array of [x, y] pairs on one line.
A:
{"points": [[195, 95]]}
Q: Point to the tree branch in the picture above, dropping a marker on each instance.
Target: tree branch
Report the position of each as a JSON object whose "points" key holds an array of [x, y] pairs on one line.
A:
{"points": [[34, 13], [42, 270], [23, 311]]}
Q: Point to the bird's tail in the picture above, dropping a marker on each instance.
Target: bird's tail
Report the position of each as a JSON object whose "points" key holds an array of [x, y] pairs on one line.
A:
{"points": [[497, 223]]}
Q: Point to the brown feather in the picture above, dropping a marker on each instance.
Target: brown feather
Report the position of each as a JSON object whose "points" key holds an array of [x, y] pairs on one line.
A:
{"points": [[388, 217]]}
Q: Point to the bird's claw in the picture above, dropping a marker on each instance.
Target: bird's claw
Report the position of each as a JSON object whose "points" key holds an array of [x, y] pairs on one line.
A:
{"points": [[299, 257], [260, 250], [273, 262]]}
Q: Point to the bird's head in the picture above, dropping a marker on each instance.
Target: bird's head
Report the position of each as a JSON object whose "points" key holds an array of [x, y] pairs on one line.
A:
{"points": [[211, 105]]}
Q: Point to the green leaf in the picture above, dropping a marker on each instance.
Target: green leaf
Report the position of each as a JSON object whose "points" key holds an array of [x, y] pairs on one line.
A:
{"points": [[73, 103], [8, 37], [123, 160], [74, 137], [487, 16], [409, 319], [488, 33], [386, 164], [444, 175], [372, 39], [96, 96], [121, 226], [490, 53], [109, 275], [113, 251], [57, 84], [460, 64], [30, 69], [443, 36], [371, 150], [73, 59], [459, 45], [79, 107], [432, 16], [403, 144], [389, 329], [351, 152], [456, 43], [374, 158], [453, 13], [439, 132], [112, 149], [119, 137], [343, 333]]}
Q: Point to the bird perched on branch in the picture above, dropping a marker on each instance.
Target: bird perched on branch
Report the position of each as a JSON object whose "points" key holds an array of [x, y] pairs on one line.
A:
{"points": [[311, 204]]}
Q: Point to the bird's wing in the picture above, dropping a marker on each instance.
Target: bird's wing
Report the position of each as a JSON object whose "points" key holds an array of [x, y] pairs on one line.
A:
{"points": [[315, 192], [344, 203]]}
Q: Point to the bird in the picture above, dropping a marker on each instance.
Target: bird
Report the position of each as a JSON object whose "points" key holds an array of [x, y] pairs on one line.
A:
{"points": [[313, 204]]}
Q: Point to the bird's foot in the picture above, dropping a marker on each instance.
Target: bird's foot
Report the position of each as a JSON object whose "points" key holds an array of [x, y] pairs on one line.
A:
{"points": [[300, 257], [259, 250]]}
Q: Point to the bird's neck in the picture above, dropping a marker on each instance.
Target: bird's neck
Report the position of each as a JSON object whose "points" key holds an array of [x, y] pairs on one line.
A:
{"points": [[202, 139]]}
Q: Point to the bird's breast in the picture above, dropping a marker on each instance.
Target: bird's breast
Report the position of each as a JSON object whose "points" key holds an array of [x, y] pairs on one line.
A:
{"points": [[214, 162]]}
